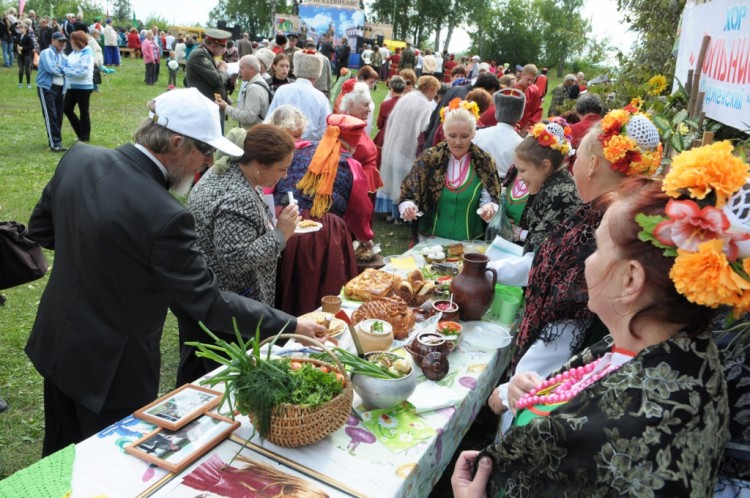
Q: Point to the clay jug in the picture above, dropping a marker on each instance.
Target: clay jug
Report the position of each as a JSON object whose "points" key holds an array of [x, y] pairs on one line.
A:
{"points": [[470, 288]]}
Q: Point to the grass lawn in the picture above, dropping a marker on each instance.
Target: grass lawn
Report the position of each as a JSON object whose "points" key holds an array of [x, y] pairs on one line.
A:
{"points": [[26, 165]]}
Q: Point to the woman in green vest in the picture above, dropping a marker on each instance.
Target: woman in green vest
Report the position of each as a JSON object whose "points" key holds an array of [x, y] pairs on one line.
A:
{"points": [[455, 184]]}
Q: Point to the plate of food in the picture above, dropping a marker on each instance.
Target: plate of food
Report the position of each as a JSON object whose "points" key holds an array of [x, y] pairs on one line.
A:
{"points": [[335, 326], [308, 226]]}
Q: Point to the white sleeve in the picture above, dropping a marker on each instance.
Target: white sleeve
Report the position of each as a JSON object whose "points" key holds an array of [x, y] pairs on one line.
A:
{"points": [[546, 357]]}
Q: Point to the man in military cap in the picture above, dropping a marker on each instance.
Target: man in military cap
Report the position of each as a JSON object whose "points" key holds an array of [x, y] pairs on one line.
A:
{"points": [[290, 49], [202, 71]]}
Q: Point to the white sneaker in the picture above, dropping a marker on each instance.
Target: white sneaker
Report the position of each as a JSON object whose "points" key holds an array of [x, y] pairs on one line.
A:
{"points": [[28, 86]]}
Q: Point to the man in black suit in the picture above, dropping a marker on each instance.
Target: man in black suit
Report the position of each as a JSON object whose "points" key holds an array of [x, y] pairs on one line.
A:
{"points": [[124, 252], [343, 51]]}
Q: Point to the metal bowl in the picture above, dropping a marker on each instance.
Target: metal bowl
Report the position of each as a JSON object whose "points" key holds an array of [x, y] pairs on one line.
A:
{"points": [[384, 393]]}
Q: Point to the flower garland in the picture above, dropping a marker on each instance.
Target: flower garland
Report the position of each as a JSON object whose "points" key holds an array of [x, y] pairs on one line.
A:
{"points": [[701, 230], [621, 150], [457, 103], [549, 139]]}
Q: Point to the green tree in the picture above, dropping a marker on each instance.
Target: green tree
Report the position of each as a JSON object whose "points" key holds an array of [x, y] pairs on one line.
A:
{"points": [[254, 16], [509, 31], [121, 10], [656, 22], [58, 9], [564, 32], [153, 20]]}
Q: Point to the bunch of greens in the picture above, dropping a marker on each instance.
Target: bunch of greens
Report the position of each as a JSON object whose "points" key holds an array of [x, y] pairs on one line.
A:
{"points": [[260, 384], [357, 365]]}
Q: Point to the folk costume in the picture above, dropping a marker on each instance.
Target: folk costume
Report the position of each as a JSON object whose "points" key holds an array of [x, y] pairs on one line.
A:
{"points": [[555, 201], [407, 121], [450, 201], [655, 426], [330, 187]]}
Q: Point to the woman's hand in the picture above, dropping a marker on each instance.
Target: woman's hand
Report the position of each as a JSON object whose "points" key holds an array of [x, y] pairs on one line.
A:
{"points": [[487, 212], [520, 385], [287, 221], [410, 212], [461, 481], [517, 231], [495, 402]]}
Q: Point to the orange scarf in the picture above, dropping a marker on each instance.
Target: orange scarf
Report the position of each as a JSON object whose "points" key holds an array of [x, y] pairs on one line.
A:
{"points": [[321, 174]]}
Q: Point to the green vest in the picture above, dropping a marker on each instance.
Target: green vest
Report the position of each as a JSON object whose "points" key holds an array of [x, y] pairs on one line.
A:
{"points": [[456, 215]]}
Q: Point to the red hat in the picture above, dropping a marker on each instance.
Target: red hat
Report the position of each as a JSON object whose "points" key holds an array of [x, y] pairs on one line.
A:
{"points": [[351, 127], [348, 86]]}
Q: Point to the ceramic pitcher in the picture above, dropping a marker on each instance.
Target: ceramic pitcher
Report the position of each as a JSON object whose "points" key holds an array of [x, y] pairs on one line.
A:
{"points": [[471, 289]]}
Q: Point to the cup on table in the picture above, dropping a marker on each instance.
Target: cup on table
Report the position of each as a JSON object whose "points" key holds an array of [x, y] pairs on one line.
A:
{"points": [[509, 290], [331, 304], [508, 308]]}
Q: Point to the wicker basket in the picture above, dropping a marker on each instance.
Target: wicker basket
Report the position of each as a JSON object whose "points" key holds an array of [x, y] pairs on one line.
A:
{"points": [[412, 300], [293, 426]]}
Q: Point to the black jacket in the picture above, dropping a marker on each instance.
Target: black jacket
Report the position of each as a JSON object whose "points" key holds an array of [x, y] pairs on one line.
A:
{"points": [[124, 252]]}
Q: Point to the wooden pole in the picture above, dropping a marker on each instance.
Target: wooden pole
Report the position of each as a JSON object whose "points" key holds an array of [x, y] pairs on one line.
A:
{"points": [[689, 82], [697, 76], [708, 138]]}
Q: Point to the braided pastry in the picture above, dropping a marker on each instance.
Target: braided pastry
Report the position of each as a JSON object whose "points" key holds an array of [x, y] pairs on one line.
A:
{"points": [[389, 309]]}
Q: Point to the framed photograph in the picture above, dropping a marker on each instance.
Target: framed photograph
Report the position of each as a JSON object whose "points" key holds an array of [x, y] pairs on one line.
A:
{"points": [[175, 450], [174, 410], [233, 469]]}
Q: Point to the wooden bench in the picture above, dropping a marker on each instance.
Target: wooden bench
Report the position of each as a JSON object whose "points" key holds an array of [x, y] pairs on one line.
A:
{"points": [[127, 50]]}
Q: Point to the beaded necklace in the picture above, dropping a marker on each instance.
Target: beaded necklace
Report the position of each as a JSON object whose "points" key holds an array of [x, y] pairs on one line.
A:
{"points": [[463, 163], [567, 385]]}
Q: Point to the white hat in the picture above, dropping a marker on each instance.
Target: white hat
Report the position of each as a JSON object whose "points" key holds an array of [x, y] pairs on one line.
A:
{"points": [[475, 58], [307, 64], [266, 57], [187, 112]]}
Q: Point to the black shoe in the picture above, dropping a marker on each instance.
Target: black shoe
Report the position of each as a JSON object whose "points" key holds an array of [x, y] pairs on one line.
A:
{"points": [[59, 148], [3, 405]]}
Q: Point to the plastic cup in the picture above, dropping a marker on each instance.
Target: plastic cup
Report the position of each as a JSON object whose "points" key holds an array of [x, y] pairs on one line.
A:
{"points": [[331, 304], [508, 308], [509, 290]]}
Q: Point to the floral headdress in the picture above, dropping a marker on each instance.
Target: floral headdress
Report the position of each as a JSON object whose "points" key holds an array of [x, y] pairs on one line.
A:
{"points": [[630, 141], [707, 227], [457, 103], [554, 136]]}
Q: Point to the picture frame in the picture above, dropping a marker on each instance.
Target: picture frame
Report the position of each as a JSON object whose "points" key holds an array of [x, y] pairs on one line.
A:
{"points": [[175, 450], [263, 471], [179, 407]]}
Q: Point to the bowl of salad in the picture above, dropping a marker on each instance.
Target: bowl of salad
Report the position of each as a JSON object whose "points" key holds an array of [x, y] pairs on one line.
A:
{"points": [[397, 382], [450, 330]]}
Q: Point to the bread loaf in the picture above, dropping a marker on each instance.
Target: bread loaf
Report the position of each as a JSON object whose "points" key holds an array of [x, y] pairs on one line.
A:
{"points": [[389, 309]]}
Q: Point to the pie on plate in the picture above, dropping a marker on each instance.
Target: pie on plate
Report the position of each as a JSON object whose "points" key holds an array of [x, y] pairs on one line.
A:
{"points": [[308, 226], [370, 284], [334, 325]]}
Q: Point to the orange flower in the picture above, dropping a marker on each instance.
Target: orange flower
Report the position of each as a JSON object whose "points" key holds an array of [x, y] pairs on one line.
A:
{"points": [[615, 120], [702, 170], [705, 277], [617, 147]]}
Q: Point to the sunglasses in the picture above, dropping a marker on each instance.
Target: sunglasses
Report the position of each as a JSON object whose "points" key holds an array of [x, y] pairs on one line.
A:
{"points": [[204, 148]]}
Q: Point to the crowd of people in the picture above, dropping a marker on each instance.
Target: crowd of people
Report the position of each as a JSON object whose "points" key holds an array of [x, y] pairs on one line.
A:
{"points": [[269, 134]]}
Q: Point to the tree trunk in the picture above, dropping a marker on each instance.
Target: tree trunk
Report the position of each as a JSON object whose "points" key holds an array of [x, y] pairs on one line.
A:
{"points": [[451, 25], [437, 38]]}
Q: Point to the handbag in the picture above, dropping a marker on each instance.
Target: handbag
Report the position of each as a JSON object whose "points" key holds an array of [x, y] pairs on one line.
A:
{"points": [[97, 76], [21, 259], [35, 62]]}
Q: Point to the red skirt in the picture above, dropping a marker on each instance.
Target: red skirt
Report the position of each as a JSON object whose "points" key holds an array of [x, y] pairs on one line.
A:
{"points": [[314, 265]]}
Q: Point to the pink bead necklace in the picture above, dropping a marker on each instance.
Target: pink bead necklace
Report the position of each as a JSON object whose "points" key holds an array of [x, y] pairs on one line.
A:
{"points": [[565, 386], [457, 182]]}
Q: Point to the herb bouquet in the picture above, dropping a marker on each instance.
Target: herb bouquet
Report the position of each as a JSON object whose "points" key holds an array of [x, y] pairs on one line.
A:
{"points": [[291, 403]]}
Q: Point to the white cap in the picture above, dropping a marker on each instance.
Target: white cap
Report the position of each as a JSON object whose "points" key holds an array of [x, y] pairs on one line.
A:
{"points": [[475, 58], [187, 112]]}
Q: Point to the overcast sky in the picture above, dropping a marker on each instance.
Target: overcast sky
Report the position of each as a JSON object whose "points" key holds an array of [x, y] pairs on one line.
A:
{"points": [[606, 21]]}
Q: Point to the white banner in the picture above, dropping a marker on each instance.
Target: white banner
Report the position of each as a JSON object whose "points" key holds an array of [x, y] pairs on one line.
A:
{"points": [[726, 67]]}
